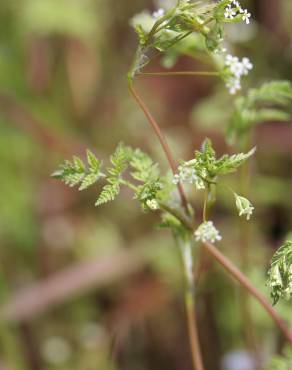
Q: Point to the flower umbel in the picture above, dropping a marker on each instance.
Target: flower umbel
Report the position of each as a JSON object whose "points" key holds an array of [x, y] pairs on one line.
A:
{"points": [[244, 206], [187, 174], [229, 12], [207, 232], [246, 16], [236, 70], [233, 9]]}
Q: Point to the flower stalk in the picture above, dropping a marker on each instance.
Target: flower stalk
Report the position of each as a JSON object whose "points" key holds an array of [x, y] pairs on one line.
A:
{"points": [[179, 73], [185, 247]]}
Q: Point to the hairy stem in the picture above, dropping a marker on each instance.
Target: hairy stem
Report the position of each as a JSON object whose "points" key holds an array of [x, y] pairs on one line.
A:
{"points": [[162, 141], [186, 251], [180, 73]]}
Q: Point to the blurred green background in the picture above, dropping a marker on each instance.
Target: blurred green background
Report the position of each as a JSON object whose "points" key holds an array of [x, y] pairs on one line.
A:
{"points": [[87, 288]]}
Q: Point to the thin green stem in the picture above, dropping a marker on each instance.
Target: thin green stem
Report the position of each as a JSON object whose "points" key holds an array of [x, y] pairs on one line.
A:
{"points": [[179, 73], [129, 184], [133, 70], [184, 220], [187, 258], [205, 210]]}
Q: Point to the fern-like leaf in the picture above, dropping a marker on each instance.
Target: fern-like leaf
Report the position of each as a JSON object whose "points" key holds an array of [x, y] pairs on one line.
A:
{"points": [[120, 161], [109, 193], [75, 172], [208, 167], [144, 168], [228, 164], [280, 273]]}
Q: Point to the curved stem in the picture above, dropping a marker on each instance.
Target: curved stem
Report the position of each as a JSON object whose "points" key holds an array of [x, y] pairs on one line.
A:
{"points": [[162, 140], [180, 73], [186, 251]]}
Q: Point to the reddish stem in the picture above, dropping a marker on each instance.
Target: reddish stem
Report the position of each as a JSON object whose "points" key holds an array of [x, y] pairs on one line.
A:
{"points": [[244, 281], [162, 141]]}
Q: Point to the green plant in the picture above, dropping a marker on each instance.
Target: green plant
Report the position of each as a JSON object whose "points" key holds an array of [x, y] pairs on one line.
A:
{"points": [[280, 273], [191, 28]]}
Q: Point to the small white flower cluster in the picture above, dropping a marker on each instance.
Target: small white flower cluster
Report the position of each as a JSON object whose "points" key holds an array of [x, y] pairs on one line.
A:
{"points": [[187, 174], [234, 8], [244, 206], [237, 69], [152, 204], [207, 232]]}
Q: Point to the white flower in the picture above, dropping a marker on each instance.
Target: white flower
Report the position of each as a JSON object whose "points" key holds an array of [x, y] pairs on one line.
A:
{"points": [[234, 8], [246, 66], [234, 85], [187, 174], [244, 206], [158, 13], [207, 232], [229, 12], [230, 60], [246, 16], [152, 204], [237, 69], [236, 3]]}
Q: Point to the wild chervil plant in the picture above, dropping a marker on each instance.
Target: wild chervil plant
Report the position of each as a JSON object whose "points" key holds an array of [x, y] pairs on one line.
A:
{"points": [[196, 29]]}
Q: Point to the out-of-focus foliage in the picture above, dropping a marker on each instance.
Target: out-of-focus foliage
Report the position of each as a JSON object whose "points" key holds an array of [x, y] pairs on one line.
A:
{"points": [[270, 102], [281, 362], [63, 89], [65, 17]]}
